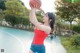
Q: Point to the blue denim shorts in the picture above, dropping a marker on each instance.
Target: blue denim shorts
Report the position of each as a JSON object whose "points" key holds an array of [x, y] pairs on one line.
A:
{"points": [[37, 48]]}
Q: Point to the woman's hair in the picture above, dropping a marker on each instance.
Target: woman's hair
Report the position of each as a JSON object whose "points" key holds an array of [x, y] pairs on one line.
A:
{"points": [[52, 21]]}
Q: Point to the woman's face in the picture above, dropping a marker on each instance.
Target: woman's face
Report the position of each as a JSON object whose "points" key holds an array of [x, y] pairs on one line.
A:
{"points": [[45, 18]]}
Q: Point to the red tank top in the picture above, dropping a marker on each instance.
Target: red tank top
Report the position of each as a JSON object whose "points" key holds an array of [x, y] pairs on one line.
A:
{"points": [[39, 36]]}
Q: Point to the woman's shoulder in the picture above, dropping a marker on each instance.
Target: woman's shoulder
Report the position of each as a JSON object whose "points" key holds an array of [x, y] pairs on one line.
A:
{"points": [[40, 24]]}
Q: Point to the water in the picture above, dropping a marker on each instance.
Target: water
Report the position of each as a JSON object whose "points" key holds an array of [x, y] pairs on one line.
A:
{"points": [[19, 41]]}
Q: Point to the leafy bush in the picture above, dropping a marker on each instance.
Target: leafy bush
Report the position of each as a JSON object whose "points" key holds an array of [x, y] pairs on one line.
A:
{"points": [[76, 28], [65, 41], [14, 20], [71, 42], [69, 45], [11, 19], [75, 40], [2, 5], [25, 20]]}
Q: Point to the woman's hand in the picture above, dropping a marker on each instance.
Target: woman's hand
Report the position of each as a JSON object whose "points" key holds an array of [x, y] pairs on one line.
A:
{"points": [[35, 4]]}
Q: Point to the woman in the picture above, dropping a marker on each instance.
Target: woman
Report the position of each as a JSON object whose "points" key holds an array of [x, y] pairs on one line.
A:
{"points": [[41, 31]]}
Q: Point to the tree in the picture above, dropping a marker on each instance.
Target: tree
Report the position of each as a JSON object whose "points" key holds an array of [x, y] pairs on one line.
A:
{"points": [[2, 8], [2, 4], [15, 11], [15, 7], [78, 21], [72, 1], [1, 14], [68, 11], [15, 20]]}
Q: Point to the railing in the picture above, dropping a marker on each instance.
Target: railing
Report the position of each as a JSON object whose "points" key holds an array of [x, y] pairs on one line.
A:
{"points": [[67, 32]]}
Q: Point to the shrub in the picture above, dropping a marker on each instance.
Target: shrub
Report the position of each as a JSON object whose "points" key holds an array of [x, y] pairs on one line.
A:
{"points": [[11, 19], [76, 28], [75, 40], [14, 20]]}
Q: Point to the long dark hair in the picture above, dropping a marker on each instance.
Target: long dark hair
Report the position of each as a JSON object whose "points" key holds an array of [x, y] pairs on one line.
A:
{"points": [[52, 21]]}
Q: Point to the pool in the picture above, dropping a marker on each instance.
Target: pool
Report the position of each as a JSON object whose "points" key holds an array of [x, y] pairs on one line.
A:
{"points": [[19, 41]]}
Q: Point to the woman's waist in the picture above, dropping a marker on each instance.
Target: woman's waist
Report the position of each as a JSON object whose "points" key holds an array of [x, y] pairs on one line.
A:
{"points": [[38, 42]]}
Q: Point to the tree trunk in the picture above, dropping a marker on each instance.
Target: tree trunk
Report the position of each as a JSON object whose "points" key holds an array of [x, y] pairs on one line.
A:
{"points": [[70, 29]]}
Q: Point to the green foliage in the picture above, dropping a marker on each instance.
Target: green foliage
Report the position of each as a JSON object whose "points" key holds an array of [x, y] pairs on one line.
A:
{"points": [[71, 44], [68, 11], [1, 14], [14, 20], [2, 5], [78, 21], [72, 1], [16, 13], [65, 41], [24, 20], [76, 28], [15, 7], [39, 16], [75, 41]]}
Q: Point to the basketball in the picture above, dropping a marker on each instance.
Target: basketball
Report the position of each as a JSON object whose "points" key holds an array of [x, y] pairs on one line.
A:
{"points": [[35, 3]]}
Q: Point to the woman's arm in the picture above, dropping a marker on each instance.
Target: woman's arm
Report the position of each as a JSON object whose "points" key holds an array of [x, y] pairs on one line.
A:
{"points": [[35, 22]]}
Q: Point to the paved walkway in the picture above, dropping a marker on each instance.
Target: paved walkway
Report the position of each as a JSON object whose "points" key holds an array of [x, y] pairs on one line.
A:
{"points": [[54, 46], [17, 41]]}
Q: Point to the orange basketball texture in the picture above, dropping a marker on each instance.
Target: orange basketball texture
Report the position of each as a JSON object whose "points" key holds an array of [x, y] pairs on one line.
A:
{"points": [[35, 3]]}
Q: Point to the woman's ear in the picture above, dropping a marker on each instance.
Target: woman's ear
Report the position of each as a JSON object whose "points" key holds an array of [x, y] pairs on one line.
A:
{"points": [[50, 20]]}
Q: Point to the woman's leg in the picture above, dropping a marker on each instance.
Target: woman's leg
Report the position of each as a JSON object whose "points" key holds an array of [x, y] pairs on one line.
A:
{"points": [[31, 51], [42, 49]]}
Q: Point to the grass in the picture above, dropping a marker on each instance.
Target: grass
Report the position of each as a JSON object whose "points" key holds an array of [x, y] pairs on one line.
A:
{"points": [[67, 44]]}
